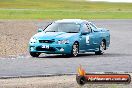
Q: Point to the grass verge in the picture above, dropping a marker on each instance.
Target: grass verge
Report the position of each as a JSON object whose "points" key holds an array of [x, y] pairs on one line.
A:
{"points": [[58, 9]]}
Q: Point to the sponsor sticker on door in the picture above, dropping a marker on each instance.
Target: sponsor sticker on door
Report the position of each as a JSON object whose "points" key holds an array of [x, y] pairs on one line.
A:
{"points": [[87, 39]]}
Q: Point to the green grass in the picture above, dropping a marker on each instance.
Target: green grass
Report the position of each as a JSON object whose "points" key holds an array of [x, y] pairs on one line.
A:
{"points": [[58, 9]]}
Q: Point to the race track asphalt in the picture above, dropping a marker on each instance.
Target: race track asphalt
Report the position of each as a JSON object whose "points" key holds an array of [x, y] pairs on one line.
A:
{"points": [[118, 58]]}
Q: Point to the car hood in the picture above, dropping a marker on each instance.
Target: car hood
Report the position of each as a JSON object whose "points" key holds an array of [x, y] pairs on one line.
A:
{"points": [[54, 35]]}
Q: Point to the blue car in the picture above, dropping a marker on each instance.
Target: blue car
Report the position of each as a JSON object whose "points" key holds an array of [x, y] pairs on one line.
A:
{"points": [[69, 37]]}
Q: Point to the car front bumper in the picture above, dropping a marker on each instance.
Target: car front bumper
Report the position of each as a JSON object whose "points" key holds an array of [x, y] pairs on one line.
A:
{"points": [[52, 49]]}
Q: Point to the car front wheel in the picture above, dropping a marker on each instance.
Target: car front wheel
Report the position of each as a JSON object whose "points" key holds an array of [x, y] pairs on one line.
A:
{"points": [[75, 49], [34, 54]]}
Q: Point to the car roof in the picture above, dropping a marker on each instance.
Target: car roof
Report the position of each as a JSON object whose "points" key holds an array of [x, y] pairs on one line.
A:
{"points": [[77, 21]]}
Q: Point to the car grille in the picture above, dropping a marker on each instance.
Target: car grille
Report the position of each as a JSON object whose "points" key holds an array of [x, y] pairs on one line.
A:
{"points": [[39, 48], [46, 41]]}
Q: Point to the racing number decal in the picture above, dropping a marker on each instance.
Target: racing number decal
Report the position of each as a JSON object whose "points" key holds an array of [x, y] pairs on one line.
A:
{"points": [[87, 39]]}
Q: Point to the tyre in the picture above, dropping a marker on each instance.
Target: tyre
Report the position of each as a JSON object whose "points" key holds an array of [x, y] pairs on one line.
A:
{"points": [[75, 49], [34, 54], [102, 47], [81, 80]]}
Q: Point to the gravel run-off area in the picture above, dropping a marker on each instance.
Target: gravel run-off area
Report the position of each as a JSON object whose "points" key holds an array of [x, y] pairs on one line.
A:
{"points": [[53, 82], [15, 35]]}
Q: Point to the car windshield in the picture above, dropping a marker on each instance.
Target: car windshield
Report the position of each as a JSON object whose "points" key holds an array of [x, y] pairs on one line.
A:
{"points": [[63, 27]]}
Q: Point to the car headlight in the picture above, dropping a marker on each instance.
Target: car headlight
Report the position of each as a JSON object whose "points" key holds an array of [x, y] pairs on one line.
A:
{"points": [[33, 40], [63, 41]]}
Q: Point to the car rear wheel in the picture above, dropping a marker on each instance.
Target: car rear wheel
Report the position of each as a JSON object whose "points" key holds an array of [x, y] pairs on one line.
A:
{"points": [[75, 49], [101, 48], [34, 54]]}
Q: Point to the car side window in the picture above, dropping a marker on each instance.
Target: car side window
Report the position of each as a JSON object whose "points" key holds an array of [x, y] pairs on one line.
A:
{"points": [[86, 28], [93, 26]]}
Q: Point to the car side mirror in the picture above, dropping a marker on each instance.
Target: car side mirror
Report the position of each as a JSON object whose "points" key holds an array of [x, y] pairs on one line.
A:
{"points": [[40, 30]]}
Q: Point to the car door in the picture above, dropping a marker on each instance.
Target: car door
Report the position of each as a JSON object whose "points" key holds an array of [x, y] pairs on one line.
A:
{"points": [[96, 38], [87, 38]]}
